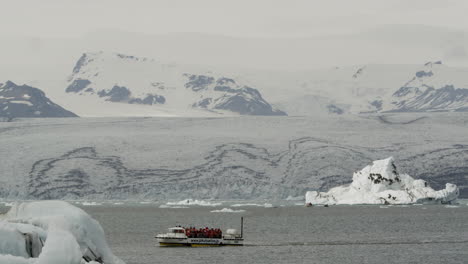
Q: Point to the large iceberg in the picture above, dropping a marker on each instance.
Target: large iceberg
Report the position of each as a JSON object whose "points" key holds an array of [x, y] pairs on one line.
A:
{"points": [[381, 183], [52, 232]]}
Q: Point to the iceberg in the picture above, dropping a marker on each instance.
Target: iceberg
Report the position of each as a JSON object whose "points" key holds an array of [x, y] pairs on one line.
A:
{"points": [[52, 232], [381, 183]]}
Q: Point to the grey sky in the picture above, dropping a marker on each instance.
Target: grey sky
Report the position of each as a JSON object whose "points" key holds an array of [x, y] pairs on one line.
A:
{"points": [[244, 18]]}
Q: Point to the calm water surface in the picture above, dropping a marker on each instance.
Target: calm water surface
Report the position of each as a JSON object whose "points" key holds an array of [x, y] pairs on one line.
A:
{"points": [[293, 234]]}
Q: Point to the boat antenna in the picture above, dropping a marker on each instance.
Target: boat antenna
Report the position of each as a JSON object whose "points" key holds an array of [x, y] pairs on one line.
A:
{"points": [[242, 227]]}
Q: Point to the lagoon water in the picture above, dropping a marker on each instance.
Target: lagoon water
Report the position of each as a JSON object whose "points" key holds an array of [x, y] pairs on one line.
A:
{"points": [[292, 234], [295, 234]]}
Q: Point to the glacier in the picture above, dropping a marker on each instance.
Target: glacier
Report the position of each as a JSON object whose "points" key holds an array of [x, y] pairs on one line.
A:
{"points": [[52, 232], [381, 183], [173, 159]]}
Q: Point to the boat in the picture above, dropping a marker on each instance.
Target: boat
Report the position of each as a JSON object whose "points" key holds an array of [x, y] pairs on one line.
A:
{"points": [[201, 237]]}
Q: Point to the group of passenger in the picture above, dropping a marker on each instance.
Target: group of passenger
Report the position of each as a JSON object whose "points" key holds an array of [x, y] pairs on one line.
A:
{"points": [[206, 232]]}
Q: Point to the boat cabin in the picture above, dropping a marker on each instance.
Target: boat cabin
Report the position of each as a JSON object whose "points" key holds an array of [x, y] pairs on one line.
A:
{"points": [[176, 230]]}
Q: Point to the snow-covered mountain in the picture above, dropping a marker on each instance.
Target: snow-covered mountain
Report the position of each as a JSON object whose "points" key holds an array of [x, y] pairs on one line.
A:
{"points": [[434, 88], [367, 88], [112, 84], [119, 78], [26, 101]]}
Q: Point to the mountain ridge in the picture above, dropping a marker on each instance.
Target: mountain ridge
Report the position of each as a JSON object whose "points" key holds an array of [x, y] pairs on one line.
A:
{"points": [[20, 101], [128, 79]]}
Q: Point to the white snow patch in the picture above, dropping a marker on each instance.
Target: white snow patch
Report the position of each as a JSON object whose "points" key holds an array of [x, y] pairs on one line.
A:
{"points": [[266, 205], [21, 102], [381, 183], [246, 205], [227, 210]]}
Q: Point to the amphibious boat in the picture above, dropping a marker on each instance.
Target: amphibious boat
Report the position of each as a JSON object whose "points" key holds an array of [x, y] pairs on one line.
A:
{"points": [[201, 237]]}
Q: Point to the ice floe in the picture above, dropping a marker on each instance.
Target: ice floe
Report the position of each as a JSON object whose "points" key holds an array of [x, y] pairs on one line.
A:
{"points": [[189, 202], [172, 206], [227, 210], [90, 203], [266, 205], [52, 232], [381, 183]]}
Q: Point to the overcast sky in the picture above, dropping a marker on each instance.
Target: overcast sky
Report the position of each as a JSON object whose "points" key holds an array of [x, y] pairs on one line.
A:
{"points": [[242, 18]]}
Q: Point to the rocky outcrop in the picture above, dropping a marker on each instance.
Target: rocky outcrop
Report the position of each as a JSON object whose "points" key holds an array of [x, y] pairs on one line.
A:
{"points": [[26, 101], [427, 92], [225, 94]]}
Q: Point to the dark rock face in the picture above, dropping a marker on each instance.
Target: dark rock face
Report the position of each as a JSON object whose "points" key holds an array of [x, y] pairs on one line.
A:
{"points": [[225, 89], [358, 72], [248, 101], [116, 94], [418, 96], [80, 63], [203, 103], [403, 91], [78, 85], [231, 97], [442, 99], [333, 109], [377, 104], [421, 74], [198, 82], [150, 99], [27, 101], [225, 81]]}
